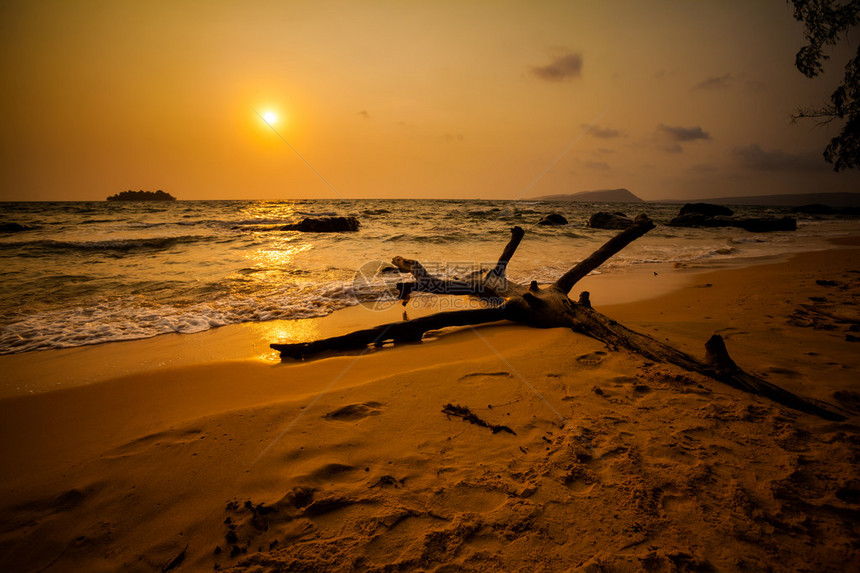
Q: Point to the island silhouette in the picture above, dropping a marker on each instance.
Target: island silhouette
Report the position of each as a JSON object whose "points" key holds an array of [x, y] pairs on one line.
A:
{"points": [[142, 196]]}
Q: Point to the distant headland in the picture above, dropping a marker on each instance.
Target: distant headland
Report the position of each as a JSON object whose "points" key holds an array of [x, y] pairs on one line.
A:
{"points": [[835, 199], [602, 196], [142, 196]]}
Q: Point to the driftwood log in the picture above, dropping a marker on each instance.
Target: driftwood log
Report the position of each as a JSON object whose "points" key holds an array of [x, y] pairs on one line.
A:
{"points": [[546, 307]]}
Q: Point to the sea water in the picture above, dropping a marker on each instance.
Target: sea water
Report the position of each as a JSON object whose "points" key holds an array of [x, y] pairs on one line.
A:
{"points": [[92, 272]]}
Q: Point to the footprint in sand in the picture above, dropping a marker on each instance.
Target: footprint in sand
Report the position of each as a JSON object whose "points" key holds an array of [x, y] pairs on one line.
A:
{"points": [[331, 472], [167, 439], [786, 372], [591, 358], [355, 412], [503, 374]]}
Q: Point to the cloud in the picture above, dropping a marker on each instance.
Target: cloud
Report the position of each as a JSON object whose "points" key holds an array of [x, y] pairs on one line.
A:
{"points": [[679, 134], [754, 157], [564, 67], [715, 82], [598, 165], [364, 114], [602, 132]]}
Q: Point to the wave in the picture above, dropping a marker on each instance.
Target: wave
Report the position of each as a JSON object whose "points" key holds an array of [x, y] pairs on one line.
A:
{"points": [[316, 213], [253, 222], [98, 221], [48, 246], [116, 320], [432, 239]]}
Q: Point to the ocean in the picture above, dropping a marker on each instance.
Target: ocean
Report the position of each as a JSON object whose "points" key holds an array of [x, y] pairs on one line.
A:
{"points": [[94, 272]]}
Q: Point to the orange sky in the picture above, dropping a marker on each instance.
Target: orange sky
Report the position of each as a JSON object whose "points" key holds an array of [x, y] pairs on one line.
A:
{"points": [[407, 99]]}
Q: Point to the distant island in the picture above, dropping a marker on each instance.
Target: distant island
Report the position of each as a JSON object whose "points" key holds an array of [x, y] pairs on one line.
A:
{"points": [[601, 196], [142, 196]]}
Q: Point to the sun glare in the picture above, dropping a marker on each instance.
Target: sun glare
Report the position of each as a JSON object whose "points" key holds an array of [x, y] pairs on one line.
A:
{"points": [[270, 117]]}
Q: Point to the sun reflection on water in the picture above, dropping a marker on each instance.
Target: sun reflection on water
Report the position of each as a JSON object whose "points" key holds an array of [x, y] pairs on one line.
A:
{"points": [[264, 211], [280, 254]]}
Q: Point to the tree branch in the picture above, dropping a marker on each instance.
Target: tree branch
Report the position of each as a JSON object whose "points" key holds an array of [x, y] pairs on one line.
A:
{"points": [[404, 331], [641, 225], [425, 282], [717, 363], [516, 236]]}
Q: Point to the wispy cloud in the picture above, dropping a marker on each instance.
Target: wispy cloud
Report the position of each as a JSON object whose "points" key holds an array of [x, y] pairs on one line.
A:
{"points": [[364, 114], [604, 132], [598, 165], [683, 134], [715, 82], [754, 157], [564, 67]]}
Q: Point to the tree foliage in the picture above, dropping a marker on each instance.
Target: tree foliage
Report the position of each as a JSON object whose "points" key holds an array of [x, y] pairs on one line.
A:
{"points": [[826, 23]]}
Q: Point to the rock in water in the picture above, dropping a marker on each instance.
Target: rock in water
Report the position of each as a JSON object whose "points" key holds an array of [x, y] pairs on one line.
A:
{"points": [[814, 209], [604, 220], [751, 224], [553, 219], [706, 209], [13, 228], [324, 225], [767, 224], [700, 220]]}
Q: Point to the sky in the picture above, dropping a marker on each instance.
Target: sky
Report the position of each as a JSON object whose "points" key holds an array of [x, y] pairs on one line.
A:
{"points": [[492, 99]]}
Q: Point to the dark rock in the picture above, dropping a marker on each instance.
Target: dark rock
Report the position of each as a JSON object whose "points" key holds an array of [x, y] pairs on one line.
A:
{"points": [[324, 225], [814, 209], [699, 220], [767, 224], [553, 219], [603, 220], [751, 224], [13, 228], [707, 209], [819, 209]]}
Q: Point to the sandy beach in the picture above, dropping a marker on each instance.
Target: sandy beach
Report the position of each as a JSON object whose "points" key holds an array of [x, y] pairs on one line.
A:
{"points": [[204, 452]]}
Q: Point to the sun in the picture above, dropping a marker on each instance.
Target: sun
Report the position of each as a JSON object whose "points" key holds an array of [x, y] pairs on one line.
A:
{"points": [[270, 117]]}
